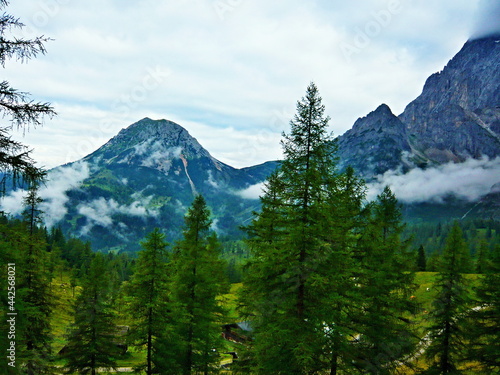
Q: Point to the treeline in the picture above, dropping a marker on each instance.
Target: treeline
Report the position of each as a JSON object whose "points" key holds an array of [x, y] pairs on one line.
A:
{"points": [[428, 240], [328, 284]]}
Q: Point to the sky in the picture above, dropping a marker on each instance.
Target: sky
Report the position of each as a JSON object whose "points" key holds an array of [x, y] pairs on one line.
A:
{"points": [[229, 71]]}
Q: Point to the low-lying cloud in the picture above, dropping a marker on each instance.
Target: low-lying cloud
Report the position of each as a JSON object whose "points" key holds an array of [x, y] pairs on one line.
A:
{"points": [[252, 192], [487, 20], [53, 192], [470, 180], [100, 211]]}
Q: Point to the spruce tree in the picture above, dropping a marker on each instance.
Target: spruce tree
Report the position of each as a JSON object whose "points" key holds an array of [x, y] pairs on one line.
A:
{"points": [[198, 278], [385, 335], [148, 306], [299, 283], [448, 331], [17, 107], [484, 319], [92, 339], [34, 289], [421, 259]]}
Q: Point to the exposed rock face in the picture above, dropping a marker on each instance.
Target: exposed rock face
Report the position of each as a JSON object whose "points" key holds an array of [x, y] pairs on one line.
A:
{"points": [[376, 143], [457, 116]]}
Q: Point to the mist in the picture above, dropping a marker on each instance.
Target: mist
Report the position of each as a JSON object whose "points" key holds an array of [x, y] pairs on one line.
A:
{"points": [[487, 19], [470, 181]]}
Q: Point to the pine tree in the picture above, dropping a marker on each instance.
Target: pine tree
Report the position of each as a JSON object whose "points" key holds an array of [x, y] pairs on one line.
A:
{"points": [[385, 335], [484, 319], [148, 292], [34, 290], [421, 259], [92, 338], [198, 278], [447, 332], [15, 161]]}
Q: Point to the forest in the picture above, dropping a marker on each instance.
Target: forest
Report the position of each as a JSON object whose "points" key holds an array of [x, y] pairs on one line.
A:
{"points": [[324, 281]]}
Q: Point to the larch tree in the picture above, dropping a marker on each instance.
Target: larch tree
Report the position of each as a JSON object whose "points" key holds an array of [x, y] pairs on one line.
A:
{"points": [[17, 107], [385, 335], [448, 330], [92, 341], [148, 294], [421, 259], [484, 319], [34, 289], [299, 277], [198, 279]]}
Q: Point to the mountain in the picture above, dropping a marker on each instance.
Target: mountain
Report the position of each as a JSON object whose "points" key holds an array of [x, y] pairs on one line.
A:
{"points": [[456, 117], [375, 144], [149, 173], [147, 176]]}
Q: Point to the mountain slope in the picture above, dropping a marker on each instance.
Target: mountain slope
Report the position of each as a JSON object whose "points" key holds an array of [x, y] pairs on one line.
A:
{"points": [[147, 176], [457, 116]]}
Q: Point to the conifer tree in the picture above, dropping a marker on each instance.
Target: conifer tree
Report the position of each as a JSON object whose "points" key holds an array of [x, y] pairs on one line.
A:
{"points": [[421, 259], [482, 256], [299, 285], [17, 107], [198, 278], [92, 338], [385, 333], [148, 306], [447, 332], [34, 290], [484, 319]]}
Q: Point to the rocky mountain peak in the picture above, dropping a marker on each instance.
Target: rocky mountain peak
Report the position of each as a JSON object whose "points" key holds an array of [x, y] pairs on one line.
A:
{"points": [[457, 116], [151, 143], [375, 143]]}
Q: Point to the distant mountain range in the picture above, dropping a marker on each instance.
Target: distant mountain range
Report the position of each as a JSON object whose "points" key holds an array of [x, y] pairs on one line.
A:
{"points": [[148, 174]]}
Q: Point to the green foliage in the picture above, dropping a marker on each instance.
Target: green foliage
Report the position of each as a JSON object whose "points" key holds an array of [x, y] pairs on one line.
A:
{"points": [[91, 341], [15, 161], [385, 286], [198, 279], [148, 305], [448, 330], [484, 319]]}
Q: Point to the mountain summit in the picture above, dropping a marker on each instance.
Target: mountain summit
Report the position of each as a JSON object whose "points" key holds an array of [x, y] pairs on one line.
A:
{"points": [[146, 177], [456, 117]]}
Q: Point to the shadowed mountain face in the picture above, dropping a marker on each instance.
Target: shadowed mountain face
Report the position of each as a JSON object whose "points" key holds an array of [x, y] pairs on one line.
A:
{"points": [[147, 176], [456, 117]]}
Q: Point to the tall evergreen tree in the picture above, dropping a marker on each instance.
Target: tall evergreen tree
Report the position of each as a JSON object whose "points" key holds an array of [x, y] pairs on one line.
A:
{"points": [[92, 339], [421, 259], [484, 319], [386, 285], [198, 278], [148, 306], [34, 289], [447, 333], [299, 285], [17, 107]]}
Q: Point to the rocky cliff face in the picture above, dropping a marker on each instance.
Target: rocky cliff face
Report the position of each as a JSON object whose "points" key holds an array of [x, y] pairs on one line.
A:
{"points": [[376, 143], [457, 116]]}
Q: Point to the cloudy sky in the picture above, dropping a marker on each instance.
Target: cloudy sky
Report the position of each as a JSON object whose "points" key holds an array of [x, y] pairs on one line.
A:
{"points": [[229, 71]]}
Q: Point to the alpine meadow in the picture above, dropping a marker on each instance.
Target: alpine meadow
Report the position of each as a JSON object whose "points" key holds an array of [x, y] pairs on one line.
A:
{"points": [[370, 249]]}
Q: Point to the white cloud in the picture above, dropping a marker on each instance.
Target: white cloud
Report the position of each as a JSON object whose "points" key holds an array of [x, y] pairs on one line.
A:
{"points": [[470, 180], [100, 211], [53, 192], [251, 192], [231, 73]]}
